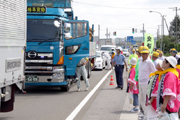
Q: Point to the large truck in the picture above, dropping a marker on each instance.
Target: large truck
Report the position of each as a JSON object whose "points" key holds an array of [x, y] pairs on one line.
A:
{"points": [[56, 42], [12, 49]]}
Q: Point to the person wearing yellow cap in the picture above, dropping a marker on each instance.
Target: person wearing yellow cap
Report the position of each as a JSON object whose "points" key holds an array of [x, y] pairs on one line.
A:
{"points": [[157, 51], [137, 53], [161, 56], [146, 67], [155, 57], [173, 49], [140, 114], [133, 55], [137, 65]]}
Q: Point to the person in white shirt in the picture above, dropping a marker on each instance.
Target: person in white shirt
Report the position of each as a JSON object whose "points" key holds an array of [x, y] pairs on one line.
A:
{"points": [[146, 66], [161, 56], [108, 59], [155, 56]]}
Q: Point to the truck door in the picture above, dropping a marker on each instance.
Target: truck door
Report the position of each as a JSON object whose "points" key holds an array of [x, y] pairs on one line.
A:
{"points": [[76, 44]]}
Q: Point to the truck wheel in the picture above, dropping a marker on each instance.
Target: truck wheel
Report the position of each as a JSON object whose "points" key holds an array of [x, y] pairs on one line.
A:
{"points": [[66, 88], [89, 70]]}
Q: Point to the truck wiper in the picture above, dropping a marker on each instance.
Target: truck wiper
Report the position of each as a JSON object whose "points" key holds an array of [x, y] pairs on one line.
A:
{"points": [[46, 40], [33, 39]]}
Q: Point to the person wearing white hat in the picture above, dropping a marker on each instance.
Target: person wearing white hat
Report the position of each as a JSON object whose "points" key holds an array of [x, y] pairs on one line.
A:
{"points": [[152, 91], [108, 59], [168, 94], [132, 85], [119, 62]]}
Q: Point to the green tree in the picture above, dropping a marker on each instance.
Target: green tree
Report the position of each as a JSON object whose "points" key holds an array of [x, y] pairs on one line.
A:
{"points": [[172, 27], [168, 43]]}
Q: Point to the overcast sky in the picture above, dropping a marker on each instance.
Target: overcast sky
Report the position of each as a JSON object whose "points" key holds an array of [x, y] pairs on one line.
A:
{"points": [[123, 15]]}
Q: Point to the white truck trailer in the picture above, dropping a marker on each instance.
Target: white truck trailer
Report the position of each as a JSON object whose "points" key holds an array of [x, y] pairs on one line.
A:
{"points": [[12, 46]]}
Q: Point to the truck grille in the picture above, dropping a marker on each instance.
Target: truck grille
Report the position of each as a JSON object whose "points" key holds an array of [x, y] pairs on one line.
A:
{"points": [[38, 59], [38, 63]]}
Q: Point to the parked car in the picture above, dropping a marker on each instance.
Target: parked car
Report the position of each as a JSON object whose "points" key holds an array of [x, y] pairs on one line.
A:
{"points": [[100, 61], [126, 52]]}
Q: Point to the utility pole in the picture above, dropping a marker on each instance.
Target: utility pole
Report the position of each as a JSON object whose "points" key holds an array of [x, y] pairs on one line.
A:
{"points": [[162, 30], [176, 9], [143, 32], [167, 26], [159, 36], [98, 35], [107, 35]]}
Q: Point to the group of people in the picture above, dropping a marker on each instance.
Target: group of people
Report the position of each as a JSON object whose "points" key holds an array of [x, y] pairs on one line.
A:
{"points": [[154, 82]]}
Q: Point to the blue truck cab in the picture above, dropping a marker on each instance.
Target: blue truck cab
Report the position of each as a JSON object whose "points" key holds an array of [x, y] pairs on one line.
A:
{"points": [[55, 44]]}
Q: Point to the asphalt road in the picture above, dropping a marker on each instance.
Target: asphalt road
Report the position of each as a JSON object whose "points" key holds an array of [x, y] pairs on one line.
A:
{"points": [[49, 103]]}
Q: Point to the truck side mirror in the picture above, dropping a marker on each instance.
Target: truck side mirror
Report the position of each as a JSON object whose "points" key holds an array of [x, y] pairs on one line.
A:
{"points": [[67, 36], [57, 23], [67, 27]]}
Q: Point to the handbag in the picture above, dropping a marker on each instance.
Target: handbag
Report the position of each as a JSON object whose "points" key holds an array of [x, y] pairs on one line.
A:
{"points": [[130, 97]]}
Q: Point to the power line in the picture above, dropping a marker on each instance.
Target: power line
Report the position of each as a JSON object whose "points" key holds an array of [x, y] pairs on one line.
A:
{"points": [[175, 3], [115, 6]]}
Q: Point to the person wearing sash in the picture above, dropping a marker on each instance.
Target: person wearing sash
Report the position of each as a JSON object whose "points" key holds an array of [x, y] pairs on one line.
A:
{"points": [[178, 70], [152, 91], [168, 97], [133, 85]]}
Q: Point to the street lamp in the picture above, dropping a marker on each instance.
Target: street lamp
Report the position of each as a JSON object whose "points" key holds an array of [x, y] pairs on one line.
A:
{"points": [[162, 30]]}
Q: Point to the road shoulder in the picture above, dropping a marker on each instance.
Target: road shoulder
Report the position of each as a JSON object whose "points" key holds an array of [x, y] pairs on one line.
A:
{"points": [[126, 114]]}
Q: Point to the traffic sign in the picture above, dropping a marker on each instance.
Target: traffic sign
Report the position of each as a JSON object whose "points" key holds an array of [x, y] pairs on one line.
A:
{"points": [[133, 42], [130, 38]]}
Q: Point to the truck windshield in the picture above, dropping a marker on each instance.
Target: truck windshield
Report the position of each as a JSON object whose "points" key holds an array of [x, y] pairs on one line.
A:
{"points": [[106, 48], [40, 30]]}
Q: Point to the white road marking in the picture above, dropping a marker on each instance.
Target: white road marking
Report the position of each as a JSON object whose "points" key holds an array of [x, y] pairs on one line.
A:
{"points": [[86, 99]]}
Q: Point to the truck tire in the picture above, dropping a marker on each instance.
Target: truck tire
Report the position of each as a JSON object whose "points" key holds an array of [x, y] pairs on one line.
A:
{"points": [[8, 106], [66, 88]]}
